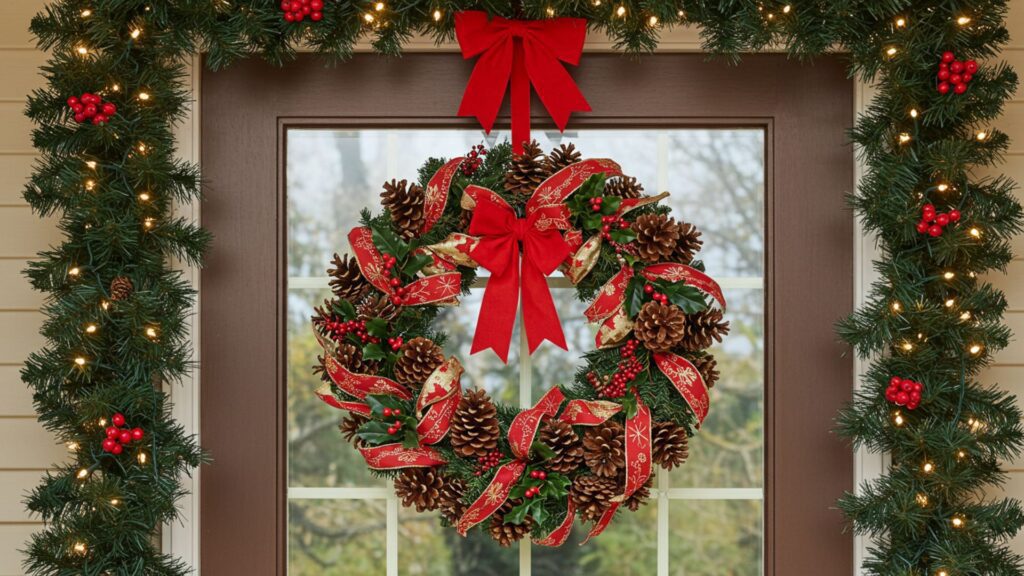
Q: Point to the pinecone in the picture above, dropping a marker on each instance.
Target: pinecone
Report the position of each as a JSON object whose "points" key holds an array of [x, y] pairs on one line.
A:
{"points": [[121, 288], [669, 445], [351, 357], [420, 487], [450, 500], [474, 429], [405, 206], [527, 171], [347, 281], [349, 427], [417, 359], [592, 495], [656, 237], [689, 243], [563, 156], [641, 496], [702, 329], [659, 327], [560, 437], [604, 449], [376, 306], [708, 368], [507, 534], [624, 187]]}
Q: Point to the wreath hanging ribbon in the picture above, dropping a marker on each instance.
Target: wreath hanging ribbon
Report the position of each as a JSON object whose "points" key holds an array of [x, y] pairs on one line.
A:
{"points": [[520, 53]]}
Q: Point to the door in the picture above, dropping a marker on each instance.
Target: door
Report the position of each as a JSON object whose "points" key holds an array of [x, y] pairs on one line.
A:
{"points": [[755, 155]]}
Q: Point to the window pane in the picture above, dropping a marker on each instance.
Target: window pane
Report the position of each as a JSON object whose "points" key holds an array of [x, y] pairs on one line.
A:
{"points": [[336, 537], [425, 548], [715, 537], [628, 547], [551, 364]]}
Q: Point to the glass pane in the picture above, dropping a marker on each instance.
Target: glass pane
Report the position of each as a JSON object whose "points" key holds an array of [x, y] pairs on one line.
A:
{"points": [[425, 548], [715, 538], [628, 547], [729, 449], [336, 537], [551, 364]]}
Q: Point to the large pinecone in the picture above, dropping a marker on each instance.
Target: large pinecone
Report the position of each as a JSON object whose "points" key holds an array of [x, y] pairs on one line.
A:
{"points": [[592, 495], [669, 445], [420, 487], [474, 429], [349, 427], [450, 503], [656, 237], [604, 449], [347, 281], [376, 306], [527, 171], [121, 288], [560, 437], [641, 496], [563, 156], [703, 328], [508, 534], [417, 359], [624, 187], [689, 243], [405, 203], [659, 327], [351, 356], [708, 368]]}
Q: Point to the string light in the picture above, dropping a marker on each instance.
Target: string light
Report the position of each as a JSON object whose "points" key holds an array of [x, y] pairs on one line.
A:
{"points": [[149, 223], [620, 11], [901, 22], [115, 88], [379, 6], [942, 573], [82, 474], [102, 422], [922, 500], [975, 425], [142, 457], [549, 11], [960, 454], [144, 96], [786, 9], [90, 185], [942, 187], [144, 196], [142, 148], [151, 332], [437, 15], [957, 522], [907, 346], [91, 328], [949, 275], [981, 136], [86, 13], [950, 303], [91, 164], [975, 233], [368, 18], [79, 548], [914, 113], [975, 349], [82, 51], [652, 21], [73, 446], [963, 20], [74, 271], [891, 51], [965, 316], [80, 361], [928, 467], [904, 138], [114, 501], [104, 304], [136, 33], [896, 307], [897, 418]]}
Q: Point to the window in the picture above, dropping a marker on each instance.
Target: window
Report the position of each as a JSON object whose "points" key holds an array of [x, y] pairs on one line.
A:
{"points": [[704, 518]]}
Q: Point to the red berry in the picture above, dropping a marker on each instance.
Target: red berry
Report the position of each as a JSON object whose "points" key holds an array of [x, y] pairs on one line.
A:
{"points": [[137, 434], [113, 432], [906, 386], [915, 396], [109, 109], [948, 57], [90, 111], [397, 412], [286, 6], [942, 219], [956, 67], [395, 282], [943, 66], [99, 119], [392, 430], [902, 398], [943, 75], [971, 67], [956, 79], [648, 289], [968, 78], [890, 395], [87, 98], [543, 475], [944, 87], [387, 412], [316, 16], [80, 118], [289, 17], [960, 88], [117, 419], [922, 227], [935, 230], [954, 215], [109, 444], [125, 437], [117, 449], [72, 101], [533, 474]]}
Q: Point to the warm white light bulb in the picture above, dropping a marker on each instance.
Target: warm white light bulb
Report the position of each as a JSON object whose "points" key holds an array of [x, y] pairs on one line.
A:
{"points": [[891, 51], [91, 328], [136, 33], [963, 20], [928, 467], [652, 21], [904, 137], [620, 11], [975, 349], [901, 22], [83, 474], [982, 135], [437, 15], [80, 361]]}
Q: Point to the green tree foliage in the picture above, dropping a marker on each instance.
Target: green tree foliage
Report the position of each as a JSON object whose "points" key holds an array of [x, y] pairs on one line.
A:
{"points": [[108, 232]]}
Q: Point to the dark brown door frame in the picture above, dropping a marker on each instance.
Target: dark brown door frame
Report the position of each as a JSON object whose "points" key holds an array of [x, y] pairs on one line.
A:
{"points": [[805, 111]]}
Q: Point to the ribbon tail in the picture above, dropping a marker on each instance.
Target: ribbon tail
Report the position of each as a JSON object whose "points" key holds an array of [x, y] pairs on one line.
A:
{"points": [[540, 317], [520, 97], [498, 312], [555, 86], [487, 84]]}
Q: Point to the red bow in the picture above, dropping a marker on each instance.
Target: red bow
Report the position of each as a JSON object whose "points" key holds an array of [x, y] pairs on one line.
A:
{"points": [[525, 51], [498, 251]]}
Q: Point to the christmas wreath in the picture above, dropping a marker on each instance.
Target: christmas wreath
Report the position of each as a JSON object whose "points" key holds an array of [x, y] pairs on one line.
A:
{"points": [[586, 449]]}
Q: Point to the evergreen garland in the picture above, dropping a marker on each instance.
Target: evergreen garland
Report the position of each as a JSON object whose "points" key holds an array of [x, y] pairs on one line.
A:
{"points": [[92, 177]]}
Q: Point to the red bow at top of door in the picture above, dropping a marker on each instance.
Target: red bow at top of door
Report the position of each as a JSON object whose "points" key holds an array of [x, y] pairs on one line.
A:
{"points": [[521, 53]]}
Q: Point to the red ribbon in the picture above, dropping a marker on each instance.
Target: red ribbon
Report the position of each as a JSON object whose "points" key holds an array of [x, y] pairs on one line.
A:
{"points": [[500, 233], [520, 52]]}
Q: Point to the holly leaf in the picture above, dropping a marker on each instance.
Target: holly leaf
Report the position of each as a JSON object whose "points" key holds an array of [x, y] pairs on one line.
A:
{"points": [[385, 239], [688, 298], [557, 485], [539, 513], [543, 450], [377, 327], [378, 402], [518, 514], [416, 263], [634, 296], [518, 491], [345, 309], [410, 439], [629, 406], [610, 205], [375, 433], [373, 352], [594, 186], [623, 236], [592, 221]]}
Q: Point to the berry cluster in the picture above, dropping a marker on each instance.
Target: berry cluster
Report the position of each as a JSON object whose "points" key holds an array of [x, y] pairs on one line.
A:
{"points": [[655, 295], [474, 159], [91, 108], [486, 462], [396, 426], [932, 222], [955, 75], [904, 392], [400, 291], [596, 203], [534, 491], [628, 369], [609, 223], [298, 10], [338, 329], [119, 436], [395, 342]]}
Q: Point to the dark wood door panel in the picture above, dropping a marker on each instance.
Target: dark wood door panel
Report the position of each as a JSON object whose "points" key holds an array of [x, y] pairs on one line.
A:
{"points": [[805, 110]]}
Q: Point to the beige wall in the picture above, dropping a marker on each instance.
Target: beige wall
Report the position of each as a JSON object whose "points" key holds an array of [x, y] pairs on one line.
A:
{"points": [[28, 450]]}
